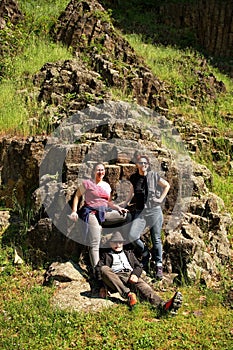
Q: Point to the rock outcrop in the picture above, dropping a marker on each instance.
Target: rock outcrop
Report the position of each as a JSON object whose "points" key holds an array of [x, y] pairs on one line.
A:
{"points": [[210, 20], [205, 25], [10, 15], [196, 224], [85, 26], [68, 86], [73, 289], [9, 11]]}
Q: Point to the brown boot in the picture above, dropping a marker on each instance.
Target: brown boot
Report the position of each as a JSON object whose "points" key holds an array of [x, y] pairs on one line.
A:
{"points": [[132, 299]]}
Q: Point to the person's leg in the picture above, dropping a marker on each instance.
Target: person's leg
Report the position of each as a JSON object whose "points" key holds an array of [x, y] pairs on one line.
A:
{"points": [[146, 292], [124, 229], [94, 234], [136, 229], [155, 222], [116, 282]]}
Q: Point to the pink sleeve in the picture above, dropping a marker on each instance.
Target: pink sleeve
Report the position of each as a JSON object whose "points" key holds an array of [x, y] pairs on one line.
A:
{"points": [[86, 184]]}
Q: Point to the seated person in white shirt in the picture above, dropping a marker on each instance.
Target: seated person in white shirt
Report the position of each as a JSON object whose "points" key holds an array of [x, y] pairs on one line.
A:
{"points": [[120, 271]]}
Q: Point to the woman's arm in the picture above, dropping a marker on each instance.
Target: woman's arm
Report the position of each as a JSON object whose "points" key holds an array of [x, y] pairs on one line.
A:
{"points": [[117, 207], [80, 191]]}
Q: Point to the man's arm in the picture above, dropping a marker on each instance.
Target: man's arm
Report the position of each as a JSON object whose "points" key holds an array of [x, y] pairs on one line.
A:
{"points": [[102, 262], [165, 186], [136, 265]]}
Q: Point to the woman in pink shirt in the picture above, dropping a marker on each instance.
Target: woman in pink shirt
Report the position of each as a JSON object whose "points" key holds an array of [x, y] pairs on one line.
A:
{"points": [[97, 199]]}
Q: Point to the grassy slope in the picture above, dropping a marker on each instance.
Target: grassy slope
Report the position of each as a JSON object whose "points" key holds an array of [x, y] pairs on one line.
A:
{"points": [[28, 48], [27, 320]]}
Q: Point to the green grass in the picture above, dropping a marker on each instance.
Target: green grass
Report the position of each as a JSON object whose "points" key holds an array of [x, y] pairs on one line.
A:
{"points": [[29, 321], [34, 48], [41, 15], [18, 103], [224, 187], [176, 68]]}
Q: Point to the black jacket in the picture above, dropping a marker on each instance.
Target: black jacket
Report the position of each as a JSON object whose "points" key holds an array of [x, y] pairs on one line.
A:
{"points": [[107, 259], [146, 189]]}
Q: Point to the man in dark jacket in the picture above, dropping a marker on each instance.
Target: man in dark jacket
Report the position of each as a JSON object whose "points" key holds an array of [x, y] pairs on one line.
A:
{"points": [[149, 191], [120, 271]]}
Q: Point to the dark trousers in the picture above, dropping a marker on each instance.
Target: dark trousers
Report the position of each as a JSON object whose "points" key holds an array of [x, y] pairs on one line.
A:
{"points": [[119, 282]]}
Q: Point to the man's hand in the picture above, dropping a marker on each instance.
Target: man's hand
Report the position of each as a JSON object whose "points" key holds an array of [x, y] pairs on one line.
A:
{"points": [[133, 279]]}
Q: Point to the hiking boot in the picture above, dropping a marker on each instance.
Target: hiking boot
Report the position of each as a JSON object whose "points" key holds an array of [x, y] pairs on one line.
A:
{"points": [[174, 303], [159, 273], [132, 299]]}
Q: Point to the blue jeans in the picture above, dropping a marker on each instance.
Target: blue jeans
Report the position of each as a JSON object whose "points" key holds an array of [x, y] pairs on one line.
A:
{"points": [[153, 218]]}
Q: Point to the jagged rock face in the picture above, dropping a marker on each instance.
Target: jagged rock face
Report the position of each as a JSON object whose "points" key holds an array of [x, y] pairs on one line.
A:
{"points": [[20, 162], [9, 16], [205, 24], [214, 31], [195, 226], [9, 11], [69, 86], [85, 25], [86, 28]]}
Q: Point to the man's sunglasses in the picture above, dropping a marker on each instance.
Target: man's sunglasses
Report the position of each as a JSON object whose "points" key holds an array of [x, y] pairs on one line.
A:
{"points": [[142, 163]]}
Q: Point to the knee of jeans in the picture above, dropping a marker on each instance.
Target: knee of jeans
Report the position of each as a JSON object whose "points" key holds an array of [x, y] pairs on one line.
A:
{"points": [[133, 235]]}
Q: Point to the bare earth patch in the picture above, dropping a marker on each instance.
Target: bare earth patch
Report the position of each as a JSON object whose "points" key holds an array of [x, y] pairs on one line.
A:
{"points": [[73, 289]]}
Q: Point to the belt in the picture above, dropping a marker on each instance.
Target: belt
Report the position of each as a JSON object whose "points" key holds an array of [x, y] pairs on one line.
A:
{"points": [[125, 270]]}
